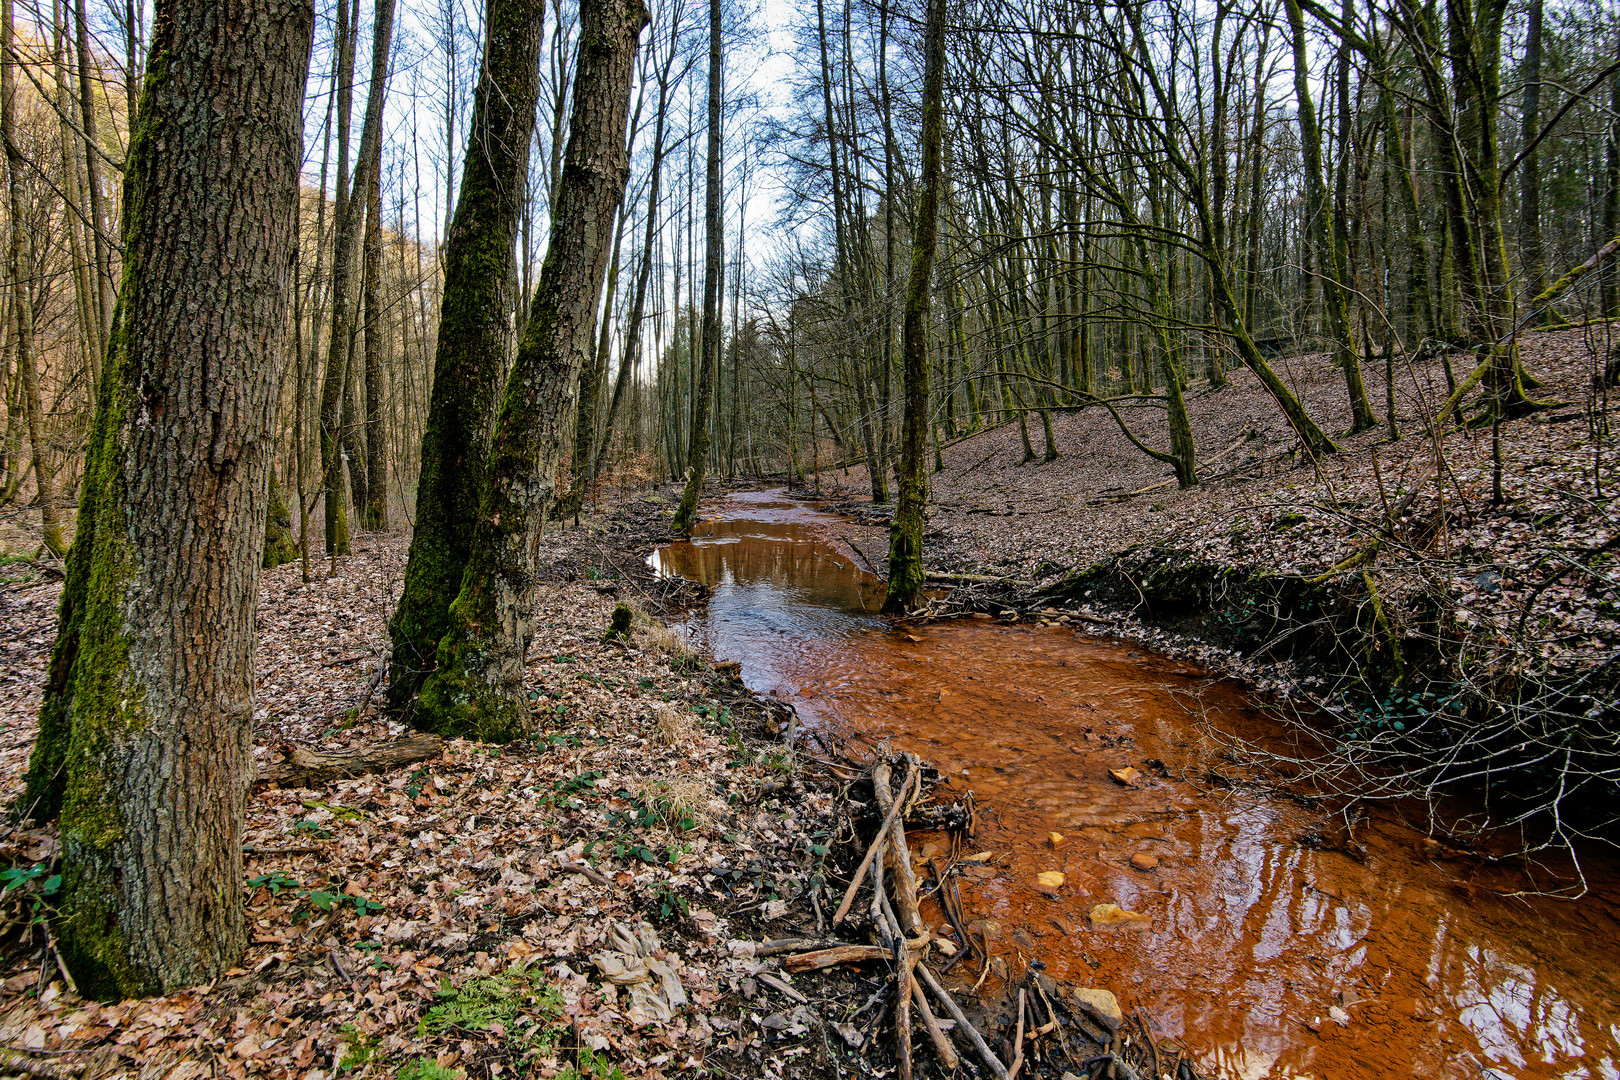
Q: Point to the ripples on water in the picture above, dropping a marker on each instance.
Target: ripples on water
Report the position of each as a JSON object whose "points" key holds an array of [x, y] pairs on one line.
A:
{"points": [[1255, 935]]}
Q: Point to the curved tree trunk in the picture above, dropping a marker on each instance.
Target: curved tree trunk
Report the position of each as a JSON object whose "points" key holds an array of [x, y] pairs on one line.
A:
{"points": [[477, 689], [158, 766], [475, 338]]}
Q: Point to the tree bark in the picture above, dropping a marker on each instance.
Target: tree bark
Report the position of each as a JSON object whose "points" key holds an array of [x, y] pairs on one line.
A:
{"points": [[638, 302], [1331, 250], [477, 689], [905, 532], [698, 457], [475, 339], [1530, 254], [158, 765], [374, 515]]}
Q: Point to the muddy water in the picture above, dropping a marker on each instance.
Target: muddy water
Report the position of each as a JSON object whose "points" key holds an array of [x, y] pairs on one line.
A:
{"points": [[1262, 921]]}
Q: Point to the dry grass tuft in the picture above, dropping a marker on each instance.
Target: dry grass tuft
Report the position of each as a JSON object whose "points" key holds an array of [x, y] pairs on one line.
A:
{"points": [[681, 799], [659, 639], [673, 725]]}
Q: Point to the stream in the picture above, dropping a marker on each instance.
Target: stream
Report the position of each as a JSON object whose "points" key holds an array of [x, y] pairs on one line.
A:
{"points": [[1272, 948]]}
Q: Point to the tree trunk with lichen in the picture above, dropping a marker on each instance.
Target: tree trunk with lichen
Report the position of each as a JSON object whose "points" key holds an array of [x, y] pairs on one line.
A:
{"points": [[165, 571], [477, 687], [475, 341]]}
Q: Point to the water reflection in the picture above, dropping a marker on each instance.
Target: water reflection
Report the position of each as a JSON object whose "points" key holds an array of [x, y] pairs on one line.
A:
{"points": [[1255, 937]]}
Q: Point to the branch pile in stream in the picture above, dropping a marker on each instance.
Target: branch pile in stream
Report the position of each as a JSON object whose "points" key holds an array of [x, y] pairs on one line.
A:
{"points": [[1050, 1032]]}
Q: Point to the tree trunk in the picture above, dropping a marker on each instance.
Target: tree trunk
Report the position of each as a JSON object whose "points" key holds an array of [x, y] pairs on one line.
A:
{"points": [[698, 457], [374, 514], [158, 766], [638, 302], [334, 509], [905, 532], [1530, 254], [477, 690], [92, 165], [1331, 250], [475, 338]]}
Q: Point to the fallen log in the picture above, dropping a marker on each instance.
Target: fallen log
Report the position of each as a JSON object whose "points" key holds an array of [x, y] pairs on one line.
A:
{"points": [[940, 577], [306, 768]]}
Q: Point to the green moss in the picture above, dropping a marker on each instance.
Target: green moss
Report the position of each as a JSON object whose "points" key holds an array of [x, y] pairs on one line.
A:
{"points": [[455, 703], [279, 545], [619, 630]]}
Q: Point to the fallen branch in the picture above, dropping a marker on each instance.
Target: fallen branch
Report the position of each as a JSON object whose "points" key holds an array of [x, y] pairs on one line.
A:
{"points": [[993, 1063], [1018, 1041], [785, 945], [307, 768], [875, 572], [781, 987], [877, 842], [936, 1034], [838, 954], [935, 577], [898, 855]]}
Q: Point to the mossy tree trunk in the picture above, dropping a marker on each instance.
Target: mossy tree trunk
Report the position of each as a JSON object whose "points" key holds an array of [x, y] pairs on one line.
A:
{"points": [[475, 341], [697, 461], [165, 572], [477, 688], [905, 532]]}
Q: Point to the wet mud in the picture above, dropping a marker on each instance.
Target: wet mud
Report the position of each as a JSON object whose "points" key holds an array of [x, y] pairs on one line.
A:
{"points": [[1274, 940]]}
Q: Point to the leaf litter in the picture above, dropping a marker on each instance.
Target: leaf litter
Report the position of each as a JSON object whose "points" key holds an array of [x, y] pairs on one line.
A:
{"points": [[580, 904]]}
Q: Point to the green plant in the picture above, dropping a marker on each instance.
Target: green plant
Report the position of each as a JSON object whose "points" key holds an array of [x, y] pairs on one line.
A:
{"points": [[591, 1066], [326, 901], [518, 999], [275, 881], [34, 886], [416, 782], [361, 1049], [564, 792], [425, 1068], [669, 901], [278, 881]]}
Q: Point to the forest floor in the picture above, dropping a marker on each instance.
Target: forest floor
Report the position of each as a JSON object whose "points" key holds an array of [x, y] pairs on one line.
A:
{"points": [[1540, 567], [454, 916]]}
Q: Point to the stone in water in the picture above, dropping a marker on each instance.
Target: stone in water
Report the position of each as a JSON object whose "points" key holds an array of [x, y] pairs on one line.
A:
{"points": [[1114, 915]]}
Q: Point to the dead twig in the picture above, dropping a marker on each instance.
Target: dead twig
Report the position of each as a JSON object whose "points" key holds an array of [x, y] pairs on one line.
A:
{"points": [[1018, 1041], [587, 872]]}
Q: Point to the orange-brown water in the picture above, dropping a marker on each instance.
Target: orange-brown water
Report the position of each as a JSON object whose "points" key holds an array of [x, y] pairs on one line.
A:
{"points": [[1257, 928]]}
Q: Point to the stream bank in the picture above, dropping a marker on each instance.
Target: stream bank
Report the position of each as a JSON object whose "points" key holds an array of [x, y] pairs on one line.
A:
{"points": [[1279, 937]]}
